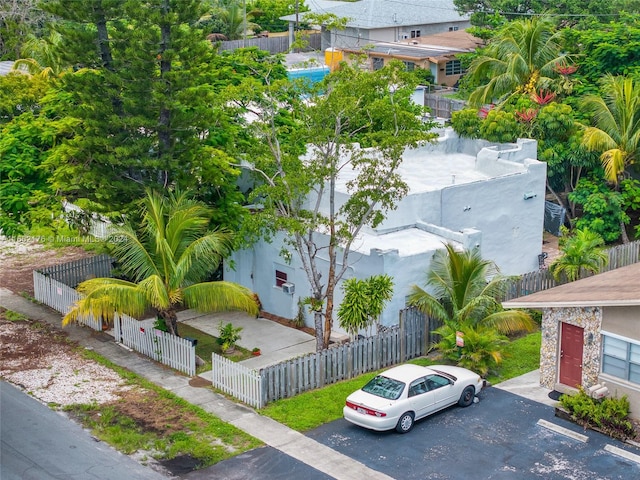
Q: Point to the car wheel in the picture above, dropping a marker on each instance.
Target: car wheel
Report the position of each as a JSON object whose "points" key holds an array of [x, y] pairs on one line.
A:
{"points": [[466, 398], [405, 424]]}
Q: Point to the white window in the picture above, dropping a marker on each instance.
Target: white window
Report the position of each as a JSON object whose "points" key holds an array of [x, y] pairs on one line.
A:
{"points": [[415, 33], [453, 67], [621, 359]]}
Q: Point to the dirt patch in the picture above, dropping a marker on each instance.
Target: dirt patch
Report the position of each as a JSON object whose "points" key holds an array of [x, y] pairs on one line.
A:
{"points": [[19, 258], [286, 322]]}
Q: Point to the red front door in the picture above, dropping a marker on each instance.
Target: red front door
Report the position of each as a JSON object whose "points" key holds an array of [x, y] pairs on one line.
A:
{"points": [[571, 342]]}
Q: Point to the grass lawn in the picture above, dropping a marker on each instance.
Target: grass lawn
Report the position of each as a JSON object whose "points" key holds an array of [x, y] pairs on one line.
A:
{"points": [[314, 408], [208, 344]]}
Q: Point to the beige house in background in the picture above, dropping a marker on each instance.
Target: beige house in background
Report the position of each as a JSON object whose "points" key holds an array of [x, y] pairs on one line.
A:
{"points": [[437, 53], [591, 333]]}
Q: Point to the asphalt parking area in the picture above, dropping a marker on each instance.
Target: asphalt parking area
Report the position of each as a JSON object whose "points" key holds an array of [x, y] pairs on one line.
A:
{"points": [[498, 438]]}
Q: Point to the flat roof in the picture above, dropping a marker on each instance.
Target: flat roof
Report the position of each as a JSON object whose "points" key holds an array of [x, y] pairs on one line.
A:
{"points": [[426, 170], [408, 242]]}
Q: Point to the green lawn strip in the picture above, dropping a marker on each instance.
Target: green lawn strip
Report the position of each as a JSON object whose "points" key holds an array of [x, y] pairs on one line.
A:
{"points": [[520, 356], [209, 439], [208, 344], [317, 407]]}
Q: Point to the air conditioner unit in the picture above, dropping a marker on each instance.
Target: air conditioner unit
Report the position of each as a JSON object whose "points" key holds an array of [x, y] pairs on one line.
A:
{"points": [[288, 288]]}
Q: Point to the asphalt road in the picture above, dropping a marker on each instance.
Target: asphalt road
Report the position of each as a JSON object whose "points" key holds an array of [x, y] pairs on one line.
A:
{"points": [[37, 443]]}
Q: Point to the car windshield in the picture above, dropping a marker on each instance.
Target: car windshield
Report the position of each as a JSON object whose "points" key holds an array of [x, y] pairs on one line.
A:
{"points": [[384, 387]]}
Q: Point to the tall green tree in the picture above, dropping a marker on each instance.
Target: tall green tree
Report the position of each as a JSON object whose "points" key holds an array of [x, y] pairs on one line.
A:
{"points": [[581, 251], [467, 290], [616, 128], [146, 93], [168, 260], [521, 58], [312, 144]]}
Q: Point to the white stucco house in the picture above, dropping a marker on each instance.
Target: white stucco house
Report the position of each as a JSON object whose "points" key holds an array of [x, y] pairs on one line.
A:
{"points": [[467, 192]]}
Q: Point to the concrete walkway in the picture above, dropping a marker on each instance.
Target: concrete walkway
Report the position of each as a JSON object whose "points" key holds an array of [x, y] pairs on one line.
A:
{"points": [[270, 432]]}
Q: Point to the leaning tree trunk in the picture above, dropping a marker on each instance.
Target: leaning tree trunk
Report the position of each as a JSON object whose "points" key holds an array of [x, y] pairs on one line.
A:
{"points": [[171, 321]]}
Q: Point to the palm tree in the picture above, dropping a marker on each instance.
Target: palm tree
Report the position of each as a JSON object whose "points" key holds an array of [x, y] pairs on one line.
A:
{"points": [[167, 260], [616, 132], [617, 125], [582, 251], [233, 20], [521, 58], [41, 56], [467, 291]]}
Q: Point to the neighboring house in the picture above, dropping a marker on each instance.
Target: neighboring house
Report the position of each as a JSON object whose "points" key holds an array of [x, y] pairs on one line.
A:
{"points": [[468, 192], [436, 53], [374, 21], [591, 333]]}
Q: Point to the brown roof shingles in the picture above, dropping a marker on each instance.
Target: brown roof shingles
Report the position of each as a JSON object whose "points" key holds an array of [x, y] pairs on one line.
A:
{"points": [[618, 287]]}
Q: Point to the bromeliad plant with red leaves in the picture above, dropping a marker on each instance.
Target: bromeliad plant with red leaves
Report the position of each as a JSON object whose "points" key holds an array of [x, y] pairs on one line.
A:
{"points": [[543, 97]]}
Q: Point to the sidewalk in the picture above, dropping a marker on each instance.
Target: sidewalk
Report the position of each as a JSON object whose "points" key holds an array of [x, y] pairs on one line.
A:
{"points": [[272, 433]]}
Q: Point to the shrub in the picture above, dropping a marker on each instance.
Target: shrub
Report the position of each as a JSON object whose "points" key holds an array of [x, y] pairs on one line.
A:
{"points": [[610, 415], [482, 347]]}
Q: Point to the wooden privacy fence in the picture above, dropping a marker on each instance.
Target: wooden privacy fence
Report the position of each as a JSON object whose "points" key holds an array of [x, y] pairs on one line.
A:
{"points": [[442, 107], [53, 287], [273, 45], [397, 344], [176, 352], [619, 256], [73, 273]]}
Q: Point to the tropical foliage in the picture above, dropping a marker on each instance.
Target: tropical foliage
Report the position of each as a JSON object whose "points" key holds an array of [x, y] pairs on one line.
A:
{"points": [[482, 350], [363, 302], [616, 130], [521, 58], [467, 292], [168, 260], [582, 251]]}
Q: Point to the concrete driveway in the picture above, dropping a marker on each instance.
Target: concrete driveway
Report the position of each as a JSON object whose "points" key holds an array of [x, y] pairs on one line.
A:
{"points": [[276, 342]]}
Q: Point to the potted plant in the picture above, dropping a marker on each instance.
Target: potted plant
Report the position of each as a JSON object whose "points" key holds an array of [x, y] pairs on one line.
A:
{"points": [[255, 352], [229, 335]]}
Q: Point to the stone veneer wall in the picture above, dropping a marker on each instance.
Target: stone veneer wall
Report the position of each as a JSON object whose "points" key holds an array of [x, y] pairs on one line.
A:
{"points": [[589, 318]]}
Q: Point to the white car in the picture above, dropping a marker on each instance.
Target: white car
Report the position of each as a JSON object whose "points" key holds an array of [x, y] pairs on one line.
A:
{"points": [[401, 395]]}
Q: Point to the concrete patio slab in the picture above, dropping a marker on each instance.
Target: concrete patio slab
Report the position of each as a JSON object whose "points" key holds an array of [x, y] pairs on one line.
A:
{"points": [[276, 342]]}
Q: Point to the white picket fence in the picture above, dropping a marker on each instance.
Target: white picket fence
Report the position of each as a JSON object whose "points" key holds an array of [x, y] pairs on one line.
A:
{"points": [[237, 380], [176, 352], [170, 350], [60, 297]]}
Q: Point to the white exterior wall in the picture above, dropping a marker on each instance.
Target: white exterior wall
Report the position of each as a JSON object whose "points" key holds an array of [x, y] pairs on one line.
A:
{"points": [[483, 207]]}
